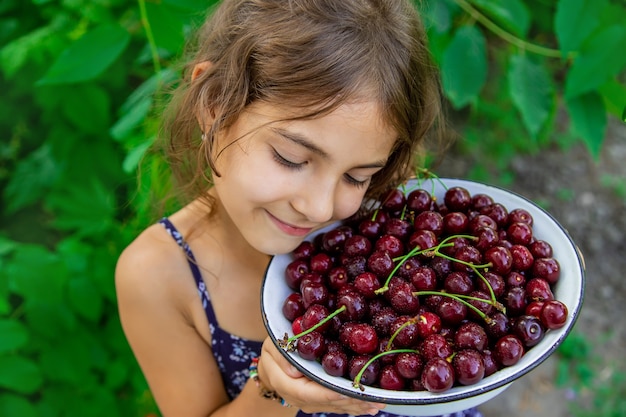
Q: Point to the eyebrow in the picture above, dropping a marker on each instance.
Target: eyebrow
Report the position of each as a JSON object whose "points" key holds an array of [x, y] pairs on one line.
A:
{"points": [[304, 142]]}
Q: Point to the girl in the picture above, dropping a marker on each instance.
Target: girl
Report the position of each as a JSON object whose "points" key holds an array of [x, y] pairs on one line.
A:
{"points": [[292, 112]]}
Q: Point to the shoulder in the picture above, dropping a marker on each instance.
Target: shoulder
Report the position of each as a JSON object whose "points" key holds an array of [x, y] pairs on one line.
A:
{"points": [[151, 250], [146, 269]]}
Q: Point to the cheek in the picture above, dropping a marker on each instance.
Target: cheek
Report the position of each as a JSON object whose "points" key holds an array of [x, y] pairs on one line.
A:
{"points": [[347, 202], [262, 182]]}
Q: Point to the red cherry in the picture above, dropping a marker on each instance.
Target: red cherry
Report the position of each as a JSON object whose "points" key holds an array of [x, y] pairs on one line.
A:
{"points": [[508, 350], [409, 364], [438, 375], [457, 199], [428, 323], [554, 314], [391, 379], [469, 366], [293, 306]]}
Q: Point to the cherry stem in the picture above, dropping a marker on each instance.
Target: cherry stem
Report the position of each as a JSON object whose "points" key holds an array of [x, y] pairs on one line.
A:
{"points": [[475, 268], [434, 251], [410, 321], [403, 212], [287, 343], [415, 251], [357, 379], [461, 299], [426, 174]]}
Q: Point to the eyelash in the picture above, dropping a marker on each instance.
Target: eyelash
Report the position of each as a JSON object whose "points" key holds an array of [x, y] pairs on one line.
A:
{"points": [[287, 163], [356, 183], [298, 166]]}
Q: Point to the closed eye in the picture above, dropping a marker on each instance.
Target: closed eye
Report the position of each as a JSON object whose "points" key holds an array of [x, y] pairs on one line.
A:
{"points": [[300, 165], [286, 162], [353, 181]]}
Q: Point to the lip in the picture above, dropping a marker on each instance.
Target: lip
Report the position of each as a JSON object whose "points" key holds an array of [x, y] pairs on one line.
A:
{"points": [[289, 228]]}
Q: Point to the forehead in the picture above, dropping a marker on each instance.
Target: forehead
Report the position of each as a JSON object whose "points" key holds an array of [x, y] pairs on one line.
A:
{"points": [[364, 116], [354, 129]]}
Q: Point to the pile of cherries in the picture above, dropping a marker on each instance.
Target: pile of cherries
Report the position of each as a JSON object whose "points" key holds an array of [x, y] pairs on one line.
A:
{"points": [[421, 294]]}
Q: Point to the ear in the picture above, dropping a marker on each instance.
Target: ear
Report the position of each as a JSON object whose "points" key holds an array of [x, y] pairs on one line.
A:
{"points": [[205, 119], [199, 68]]}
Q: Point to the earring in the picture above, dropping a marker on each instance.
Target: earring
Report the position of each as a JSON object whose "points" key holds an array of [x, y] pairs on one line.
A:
{"points": [[203, 137]]}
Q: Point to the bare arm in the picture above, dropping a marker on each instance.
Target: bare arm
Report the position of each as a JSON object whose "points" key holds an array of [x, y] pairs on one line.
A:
{"points": [[177, 362], [154, 292]]}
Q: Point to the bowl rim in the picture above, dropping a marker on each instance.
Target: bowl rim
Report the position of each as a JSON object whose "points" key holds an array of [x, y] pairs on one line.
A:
{"points": [[463, 391]]}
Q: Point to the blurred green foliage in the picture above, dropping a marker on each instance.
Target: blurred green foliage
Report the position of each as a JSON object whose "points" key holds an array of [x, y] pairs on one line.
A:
{"points": [[80, 82]]}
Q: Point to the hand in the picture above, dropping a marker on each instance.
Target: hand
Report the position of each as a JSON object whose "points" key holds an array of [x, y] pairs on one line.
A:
{"points": [[277, 374]]}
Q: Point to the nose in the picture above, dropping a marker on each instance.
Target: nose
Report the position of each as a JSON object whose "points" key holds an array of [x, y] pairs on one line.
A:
{"points": [[316, 201]]}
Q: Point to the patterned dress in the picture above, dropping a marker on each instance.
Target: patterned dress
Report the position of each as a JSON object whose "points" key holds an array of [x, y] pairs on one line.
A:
{"points": [[233, 354]]}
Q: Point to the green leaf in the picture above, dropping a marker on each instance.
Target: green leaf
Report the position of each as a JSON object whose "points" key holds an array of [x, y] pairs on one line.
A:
{"points": [[87, 107], [5, 304], [589, 120], [87, 207], [574, 21], [89, 56], [7, 245], [439, 14], [53, 321], [116, 374], [85, 298], [531, 89], [600, 59], [464, 66], [131, 162], [39, 170], [102, 264], [130, 120], [75, 254], [97, 401], [167, 26], [13, 335], [90, 400], [15, 55], [512, 15], [198, 6], [137, 106], [148, 88], [90, 160], [614, 95], [37, 274], [67, 361], [19, 374], [16, 406]]}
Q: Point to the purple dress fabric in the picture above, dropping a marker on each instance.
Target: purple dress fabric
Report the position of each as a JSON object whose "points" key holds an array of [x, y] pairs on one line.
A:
{"points": [[232, 353]]}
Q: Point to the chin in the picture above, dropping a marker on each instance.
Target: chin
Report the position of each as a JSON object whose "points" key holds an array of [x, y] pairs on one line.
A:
{"points": [[278, 247]]}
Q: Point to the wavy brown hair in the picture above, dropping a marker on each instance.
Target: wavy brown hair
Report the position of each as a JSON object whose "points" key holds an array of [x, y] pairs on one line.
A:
{"points": [[313, 55]]}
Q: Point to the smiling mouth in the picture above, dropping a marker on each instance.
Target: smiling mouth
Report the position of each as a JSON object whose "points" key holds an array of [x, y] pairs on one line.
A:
{"points": [[289, 228]]}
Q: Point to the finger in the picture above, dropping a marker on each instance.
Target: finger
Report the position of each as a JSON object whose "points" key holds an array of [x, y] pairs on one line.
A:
{"points": [[278, 358], [311, 395], [305, 394]]}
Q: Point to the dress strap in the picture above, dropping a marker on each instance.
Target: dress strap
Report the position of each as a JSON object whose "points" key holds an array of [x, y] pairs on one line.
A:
{"points": [[195, 271]]}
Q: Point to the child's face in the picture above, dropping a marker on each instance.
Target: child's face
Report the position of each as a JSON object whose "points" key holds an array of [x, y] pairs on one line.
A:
{"points": [[282, 180]]}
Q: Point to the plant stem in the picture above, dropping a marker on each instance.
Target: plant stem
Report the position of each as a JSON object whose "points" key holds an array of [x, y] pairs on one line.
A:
{"points": [[460, 299], [153, 47], [508, 37], [288, 342], [357, 379], [397, 332], [475, 269]]}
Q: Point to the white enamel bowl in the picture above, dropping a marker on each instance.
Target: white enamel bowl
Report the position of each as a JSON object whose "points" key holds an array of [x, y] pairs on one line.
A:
{"points": [[569, 289]]}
